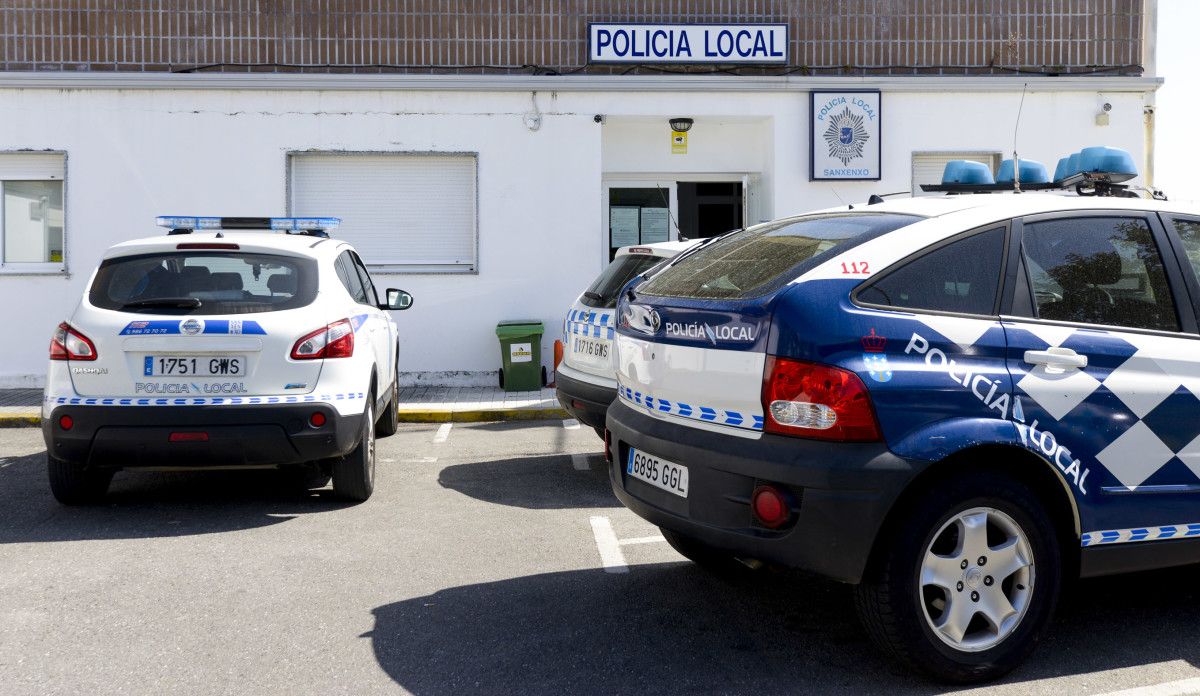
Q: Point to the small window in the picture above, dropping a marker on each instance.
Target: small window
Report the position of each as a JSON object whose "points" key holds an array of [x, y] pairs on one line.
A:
{"points": [[349, 277], [31, 211], [961, 277], [763, 258], [1189, 235], [372, 298], [602, 293], [204, 283], [1099, 270]]}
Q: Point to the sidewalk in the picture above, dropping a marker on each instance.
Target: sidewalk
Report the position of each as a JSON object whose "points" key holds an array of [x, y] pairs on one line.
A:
{"points": [[22, 407]]}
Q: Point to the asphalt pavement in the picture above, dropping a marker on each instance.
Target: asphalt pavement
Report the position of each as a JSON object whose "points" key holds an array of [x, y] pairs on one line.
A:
{"points": [[493, 558]]}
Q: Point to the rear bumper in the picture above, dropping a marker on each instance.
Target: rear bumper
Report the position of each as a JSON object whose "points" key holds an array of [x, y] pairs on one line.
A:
{"points": [[840, 492], [117, 437], [587, 402]]}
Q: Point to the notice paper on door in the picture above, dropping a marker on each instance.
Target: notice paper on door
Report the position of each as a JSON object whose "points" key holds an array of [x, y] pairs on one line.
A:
{"points": [[623, 225], [655, 225]]}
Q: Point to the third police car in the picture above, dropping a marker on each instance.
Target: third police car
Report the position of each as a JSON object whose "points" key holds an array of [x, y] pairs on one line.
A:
{"points": [[221, 344], [585, 379], [955, 404]]}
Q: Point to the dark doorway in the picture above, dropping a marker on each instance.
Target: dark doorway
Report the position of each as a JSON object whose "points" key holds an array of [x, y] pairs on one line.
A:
{"points": [[709, 208]]}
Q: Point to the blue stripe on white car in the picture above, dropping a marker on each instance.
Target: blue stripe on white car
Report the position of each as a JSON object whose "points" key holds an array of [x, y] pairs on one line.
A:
{"points": [[201, 401], [707, 414]]}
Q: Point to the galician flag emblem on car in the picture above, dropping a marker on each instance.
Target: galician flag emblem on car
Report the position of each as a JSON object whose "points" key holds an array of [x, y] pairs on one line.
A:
{"points": [[874, 359]]}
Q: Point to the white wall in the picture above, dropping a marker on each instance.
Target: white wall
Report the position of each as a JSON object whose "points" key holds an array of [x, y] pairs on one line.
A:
{"points": [[135, 154]]}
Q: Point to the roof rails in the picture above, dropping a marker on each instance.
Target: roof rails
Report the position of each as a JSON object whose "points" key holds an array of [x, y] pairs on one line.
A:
{"points": [[1093, 171], [309, 226]]}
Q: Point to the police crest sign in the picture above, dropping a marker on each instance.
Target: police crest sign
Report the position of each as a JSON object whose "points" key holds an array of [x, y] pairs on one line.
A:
{"points": [[844, 140]]}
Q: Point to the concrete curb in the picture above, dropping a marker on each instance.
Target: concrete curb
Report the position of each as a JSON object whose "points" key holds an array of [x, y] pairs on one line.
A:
{"points": [[417, 415], [20, 418]]}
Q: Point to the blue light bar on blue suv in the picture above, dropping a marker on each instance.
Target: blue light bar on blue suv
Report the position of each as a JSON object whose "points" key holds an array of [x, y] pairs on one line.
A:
{"points": [[301, 225]]}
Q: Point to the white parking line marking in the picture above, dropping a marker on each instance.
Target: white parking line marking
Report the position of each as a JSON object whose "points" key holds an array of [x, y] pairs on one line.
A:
{"points": [[608, 546], [641, 540], [442, 433], [571, 424], [580, 462], [419, 460], [1172, 688]]}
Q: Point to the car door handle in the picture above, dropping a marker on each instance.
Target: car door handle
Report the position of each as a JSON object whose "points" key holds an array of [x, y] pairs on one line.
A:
{"points": [[1056, 357]]}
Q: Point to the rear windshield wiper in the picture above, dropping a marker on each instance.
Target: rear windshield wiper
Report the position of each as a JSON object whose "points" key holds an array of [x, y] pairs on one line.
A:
{"points": [[593, 296], [177, 302]]}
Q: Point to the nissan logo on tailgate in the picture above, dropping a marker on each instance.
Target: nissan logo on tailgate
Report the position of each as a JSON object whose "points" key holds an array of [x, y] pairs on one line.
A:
{"points": [[642, 319]]}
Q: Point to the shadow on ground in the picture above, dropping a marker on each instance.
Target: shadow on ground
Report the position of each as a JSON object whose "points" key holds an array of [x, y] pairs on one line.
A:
{"points": [[150, 504], [538, 483], [671, 628]]}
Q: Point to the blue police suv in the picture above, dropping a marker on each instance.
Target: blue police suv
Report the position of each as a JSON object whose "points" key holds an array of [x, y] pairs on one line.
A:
{"points": [[954, 403]]}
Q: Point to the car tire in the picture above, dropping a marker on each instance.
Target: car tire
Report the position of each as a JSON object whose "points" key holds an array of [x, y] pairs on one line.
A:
{"points": [[713, 560], [389, 421], [72, 484], [354, 474], [907, 601]]}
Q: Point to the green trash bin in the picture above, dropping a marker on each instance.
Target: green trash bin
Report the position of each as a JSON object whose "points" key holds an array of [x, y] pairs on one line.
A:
{"points": [[521, 355]]}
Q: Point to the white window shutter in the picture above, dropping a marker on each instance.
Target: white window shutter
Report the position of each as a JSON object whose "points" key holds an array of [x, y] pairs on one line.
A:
{"points": [[405, 212], [32, 166]]}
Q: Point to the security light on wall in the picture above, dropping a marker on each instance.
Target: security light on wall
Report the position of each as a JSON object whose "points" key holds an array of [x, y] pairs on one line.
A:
{"points": [[682, 125]]}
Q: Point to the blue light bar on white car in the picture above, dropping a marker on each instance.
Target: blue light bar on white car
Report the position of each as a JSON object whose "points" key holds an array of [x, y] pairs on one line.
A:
{"points": [[300, 224], [195, 222], [185, 222]]}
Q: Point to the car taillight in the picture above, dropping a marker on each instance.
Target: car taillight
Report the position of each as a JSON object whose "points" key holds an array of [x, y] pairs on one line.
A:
{"points": [[817, 401], [333, 341], [69, 344]]}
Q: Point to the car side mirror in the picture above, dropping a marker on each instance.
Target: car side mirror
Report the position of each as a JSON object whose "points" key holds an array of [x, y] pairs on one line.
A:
{"points": [[397, 299]]}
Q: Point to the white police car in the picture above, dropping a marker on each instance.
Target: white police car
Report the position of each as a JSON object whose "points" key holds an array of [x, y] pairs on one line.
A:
{"points": [[221, 344], [953, 403], [585, 379]]}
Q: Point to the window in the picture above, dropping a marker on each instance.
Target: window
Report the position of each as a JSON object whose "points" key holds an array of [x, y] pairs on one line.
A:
{"points": [[763, 258], [204, 283], [602, 294], [962, 277], [31, 211], [1189, 235], [372, 297], [1099, 270], [927, 167], [403, 212], [348, 274]]}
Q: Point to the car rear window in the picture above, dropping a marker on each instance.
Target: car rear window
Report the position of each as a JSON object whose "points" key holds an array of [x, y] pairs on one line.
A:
{"points": [[763, 258], [602, 294], [204, 283]]}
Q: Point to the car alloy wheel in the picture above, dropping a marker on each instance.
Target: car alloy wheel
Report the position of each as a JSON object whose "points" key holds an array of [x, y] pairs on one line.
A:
{"points": [[976, 579]]}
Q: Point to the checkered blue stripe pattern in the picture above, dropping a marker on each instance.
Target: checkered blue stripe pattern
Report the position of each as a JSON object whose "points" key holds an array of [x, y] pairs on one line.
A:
{"points": [[200, 400], [1125, 536], [707, 414], [1153, 387], [595, 324]]}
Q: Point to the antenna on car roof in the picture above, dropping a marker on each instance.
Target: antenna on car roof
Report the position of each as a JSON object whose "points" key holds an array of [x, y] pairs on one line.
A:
{"points": [[1017, 158]]}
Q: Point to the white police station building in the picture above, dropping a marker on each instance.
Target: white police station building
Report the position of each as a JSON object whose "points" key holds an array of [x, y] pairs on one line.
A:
{"points": [[500, 196]]}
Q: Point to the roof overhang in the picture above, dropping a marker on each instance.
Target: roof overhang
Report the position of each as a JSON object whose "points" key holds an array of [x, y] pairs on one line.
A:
{"points": [[576, 83]]}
